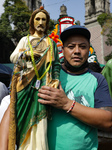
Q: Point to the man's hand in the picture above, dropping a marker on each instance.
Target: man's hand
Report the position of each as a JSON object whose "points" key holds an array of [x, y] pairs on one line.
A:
{"points": [[98, 118], [54, 97]]}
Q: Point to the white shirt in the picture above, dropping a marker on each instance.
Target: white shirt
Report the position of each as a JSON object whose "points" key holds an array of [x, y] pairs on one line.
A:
{"points": [[4, 105]]}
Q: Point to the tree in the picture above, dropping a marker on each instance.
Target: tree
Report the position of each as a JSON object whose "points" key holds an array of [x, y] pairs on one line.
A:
{"points": [[52, 24], [14, 24], [18, 15], [6, 44], [6, 48], [108, 57], [102, 18], [105, 20]]}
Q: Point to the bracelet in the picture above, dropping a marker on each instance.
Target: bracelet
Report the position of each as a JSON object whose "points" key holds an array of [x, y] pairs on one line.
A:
{"points": [[72, 106]]}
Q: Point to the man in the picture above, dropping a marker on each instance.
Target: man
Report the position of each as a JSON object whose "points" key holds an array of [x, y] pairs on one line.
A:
{"points": [[82, 103], [36, 64]]}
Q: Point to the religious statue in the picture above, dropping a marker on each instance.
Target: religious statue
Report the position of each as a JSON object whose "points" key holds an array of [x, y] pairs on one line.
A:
{"points": [[36, 64]]}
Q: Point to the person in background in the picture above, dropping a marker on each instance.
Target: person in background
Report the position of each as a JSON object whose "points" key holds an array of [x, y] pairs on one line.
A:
{"points": [[94, 66], [107, 73], [4, 105], [82, 104], [3, 91]]}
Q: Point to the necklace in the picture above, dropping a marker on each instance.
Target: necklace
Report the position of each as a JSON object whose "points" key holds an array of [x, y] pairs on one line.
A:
{"points": [[37, 85]]}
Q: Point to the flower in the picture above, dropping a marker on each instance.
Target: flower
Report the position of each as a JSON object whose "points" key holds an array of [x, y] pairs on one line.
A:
{"points": [[54, 37]]}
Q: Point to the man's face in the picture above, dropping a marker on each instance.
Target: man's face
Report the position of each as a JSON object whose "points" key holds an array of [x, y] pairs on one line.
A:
{"points": [[40, 22], [76, 50]]}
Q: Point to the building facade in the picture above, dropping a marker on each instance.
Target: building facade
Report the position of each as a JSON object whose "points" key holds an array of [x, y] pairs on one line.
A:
{"points": [[33, 4], [93, 8]]}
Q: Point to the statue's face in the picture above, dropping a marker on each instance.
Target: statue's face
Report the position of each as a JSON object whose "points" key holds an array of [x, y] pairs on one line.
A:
{"points": [[40, 22]]}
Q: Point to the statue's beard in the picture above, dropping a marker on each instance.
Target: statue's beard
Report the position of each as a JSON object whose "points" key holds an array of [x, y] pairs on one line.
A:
{"points": [[40, 29], [73, 68]]}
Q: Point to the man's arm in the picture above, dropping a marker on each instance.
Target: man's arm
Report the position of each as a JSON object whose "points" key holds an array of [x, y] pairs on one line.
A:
{"points": [[4, 130], [99, 118], [95, 117], [107, 108]]}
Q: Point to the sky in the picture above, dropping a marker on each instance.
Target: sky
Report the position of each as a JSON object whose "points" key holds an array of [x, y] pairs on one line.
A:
{"points": [[75, 8]]}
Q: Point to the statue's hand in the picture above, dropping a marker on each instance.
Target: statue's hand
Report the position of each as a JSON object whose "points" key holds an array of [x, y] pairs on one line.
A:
{"points": [[28, 53], [54, 83], [35, 54]]}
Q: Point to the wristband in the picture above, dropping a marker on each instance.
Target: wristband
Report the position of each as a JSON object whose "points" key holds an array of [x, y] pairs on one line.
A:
{"points": [[72, 106]]}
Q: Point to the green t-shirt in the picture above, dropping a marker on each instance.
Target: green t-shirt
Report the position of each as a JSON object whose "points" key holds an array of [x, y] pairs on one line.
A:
{"points": [[66, 132]]}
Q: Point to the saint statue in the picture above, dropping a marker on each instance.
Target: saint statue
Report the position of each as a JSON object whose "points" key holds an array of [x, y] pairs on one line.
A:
{"points": [[36, 64]]}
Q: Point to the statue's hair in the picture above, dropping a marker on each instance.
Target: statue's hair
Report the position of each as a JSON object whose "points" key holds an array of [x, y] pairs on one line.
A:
{"points": [[31, 21]]}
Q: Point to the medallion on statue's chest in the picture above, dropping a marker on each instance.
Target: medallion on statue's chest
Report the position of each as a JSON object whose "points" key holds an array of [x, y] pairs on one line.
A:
{"points": [[37, 85], [38, 46]]}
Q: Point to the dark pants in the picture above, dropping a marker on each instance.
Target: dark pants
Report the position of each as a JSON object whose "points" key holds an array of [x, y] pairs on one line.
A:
{"points": [[104, 143]]}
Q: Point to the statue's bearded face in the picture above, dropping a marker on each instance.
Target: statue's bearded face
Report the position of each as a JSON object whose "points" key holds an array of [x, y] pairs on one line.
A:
{"points": [[40, 22]]}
